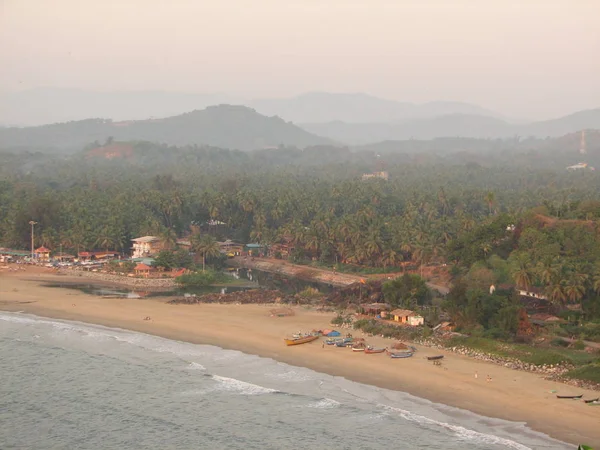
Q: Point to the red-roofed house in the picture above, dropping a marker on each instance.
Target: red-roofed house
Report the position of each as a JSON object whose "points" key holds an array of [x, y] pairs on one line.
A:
{"points": [[178, 272], [42, 254], [143, 269]]}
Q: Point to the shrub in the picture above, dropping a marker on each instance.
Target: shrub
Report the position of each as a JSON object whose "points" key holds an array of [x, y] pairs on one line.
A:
{"points": [[579, 345], [205, 278], [556, 342], [590, 372]]}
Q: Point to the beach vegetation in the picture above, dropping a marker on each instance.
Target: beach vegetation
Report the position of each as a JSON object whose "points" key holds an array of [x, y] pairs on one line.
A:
{"points": [[408, 291], [205, 278], [588, 372]]}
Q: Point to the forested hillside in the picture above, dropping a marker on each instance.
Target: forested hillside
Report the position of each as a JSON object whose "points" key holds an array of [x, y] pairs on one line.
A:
{"points": [[226, 126], [506, 220]]}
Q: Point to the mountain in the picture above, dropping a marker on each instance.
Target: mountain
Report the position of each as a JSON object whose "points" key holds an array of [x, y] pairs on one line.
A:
{"points": [[54, 105], [463, 125], [316, 107], [225, 126]]}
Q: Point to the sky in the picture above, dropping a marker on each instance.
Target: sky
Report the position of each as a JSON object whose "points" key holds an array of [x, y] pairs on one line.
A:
{"points": [[532, 59]]}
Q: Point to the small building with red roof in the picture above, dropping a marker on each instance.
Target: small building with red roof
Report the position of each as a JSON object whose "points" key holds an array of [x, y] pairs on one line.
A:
{"points": [[143, 269]]}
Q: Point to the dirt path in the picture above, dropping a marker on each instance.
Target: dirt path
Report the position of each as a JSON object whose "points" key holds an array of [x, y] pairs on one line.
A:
{"points": [[309, 273]]}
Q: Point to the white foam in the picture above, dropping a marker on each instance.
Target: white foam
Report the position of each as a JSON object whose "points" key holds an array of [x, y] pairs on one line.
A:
{"points": [[325, 403], [241, 387], [459, 431], [291, 375], [196, 366]]}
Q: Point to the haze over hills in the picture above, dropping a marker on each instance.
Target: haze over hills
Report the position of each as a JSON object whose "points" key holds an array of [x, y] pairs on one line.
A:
{"points": [[316, 107], [225, 126], [468, 126], [52, 105]]}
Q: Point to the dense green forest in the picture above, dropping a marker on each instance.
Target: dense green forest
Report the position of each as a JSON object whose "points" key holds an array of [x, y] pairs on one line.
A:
{"points": [[512, 216]]}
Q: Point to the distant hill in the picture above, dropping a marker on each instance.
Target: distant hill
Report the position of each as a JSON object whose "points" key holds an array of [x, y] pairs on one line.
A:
{"points": [[316, 107], [225, 126], [468, 126], [54, 105]]}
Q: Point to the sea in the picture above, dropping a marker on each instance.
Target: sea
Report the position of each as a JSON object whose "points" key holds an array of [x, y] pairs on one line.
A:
{"points": [[69, 385]]}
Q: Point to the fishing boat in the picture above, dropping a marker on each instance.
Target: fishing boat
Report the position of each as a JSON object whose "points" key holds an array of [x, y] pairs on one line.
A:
{"points": [[300, 340], [344, 342], [333, 341], [359, 347], [400, 354], [592, 400], [370, 350], [435, 358], [570, 396]]}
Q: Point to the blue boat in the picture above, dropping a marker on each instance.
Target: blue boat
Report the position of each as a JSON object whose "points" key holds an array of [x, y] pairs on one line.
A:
{"points": [[344, 342]]}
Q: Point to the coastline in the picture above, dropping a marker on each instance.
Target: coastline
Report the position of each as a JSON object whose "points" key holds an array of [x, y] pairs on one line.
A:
{"points": [[512, 395]]}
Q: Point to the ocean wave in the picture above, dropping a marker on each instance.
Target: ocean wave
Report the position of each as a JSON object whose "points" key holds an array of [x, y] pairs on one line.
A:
{"points": [[241, 387], [290, 375], [461, 432], [325, 403], [196, 366]]}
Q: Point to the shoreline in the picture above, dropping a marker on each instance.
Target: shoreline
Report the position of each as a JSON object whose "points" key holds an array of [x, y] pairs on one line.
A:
{"points": [[512, 395]]}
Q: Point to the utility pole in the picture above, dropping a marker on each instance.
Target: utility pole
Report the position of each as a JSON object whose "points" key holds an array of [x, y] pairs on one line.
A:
{"points": [[32, 223]]}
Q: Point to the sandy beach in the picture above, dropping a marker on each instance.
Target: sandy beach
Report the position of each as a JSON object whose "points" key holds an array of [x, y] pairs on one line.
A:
{"points": [[511, 395]]}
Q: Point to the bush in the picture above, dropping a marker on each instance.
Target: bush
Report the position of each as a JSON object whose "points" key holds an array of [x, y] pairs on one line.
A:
{"points": [[590, 372], [337, 320], [559, 343], [198, 279], [579, 345]]}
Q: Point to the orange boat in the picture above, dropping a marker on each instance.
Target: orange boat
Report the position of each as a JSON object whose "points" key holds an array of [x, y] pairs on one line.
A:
{"points": [[300, 340]]}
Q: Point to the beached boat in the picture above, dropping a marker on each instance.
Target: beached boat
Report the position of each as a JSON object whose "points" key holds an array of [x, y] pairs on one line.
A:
{"points": [[400, 354], [434, 358], [592, 400], [344, 342], [369, 350], [570, 396], [300, 340], [359, 347], [333, 341]]}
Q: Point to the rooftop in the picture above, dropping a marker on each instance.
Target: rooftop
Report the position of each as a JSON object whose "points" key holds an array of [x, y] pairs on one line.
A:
{"points": [[402, 312], [144, 239]]}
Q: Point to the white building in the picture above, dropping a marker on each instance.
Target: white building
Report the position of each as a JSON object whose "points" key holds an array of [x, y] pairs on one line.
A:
{"points": [[146, 246], [382, 175]]}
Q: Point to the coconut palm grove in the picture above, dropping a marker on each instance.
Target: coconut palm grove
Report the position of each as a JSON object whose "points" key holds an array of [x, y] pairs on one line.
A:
{"points": [[494, 216]]}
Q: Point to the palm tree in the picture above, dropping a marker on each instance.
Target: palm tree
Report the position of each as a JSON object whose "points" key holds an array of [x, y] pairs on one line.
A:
{"points": [[596, 281], [521, 272], [490, 198], [205, 245], [574, 288], [168, 237], [556, 292]]}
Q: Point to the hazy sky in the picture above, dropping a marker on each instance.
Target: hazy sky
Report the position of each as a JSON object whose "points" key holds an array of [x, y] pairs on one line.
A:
{"points": [[525, 58]]}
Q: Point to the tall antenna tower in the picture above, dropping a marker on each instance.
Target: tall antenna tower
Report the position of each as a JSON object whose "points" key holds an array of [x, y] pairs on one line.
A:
{"points": [[582, 148]]}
